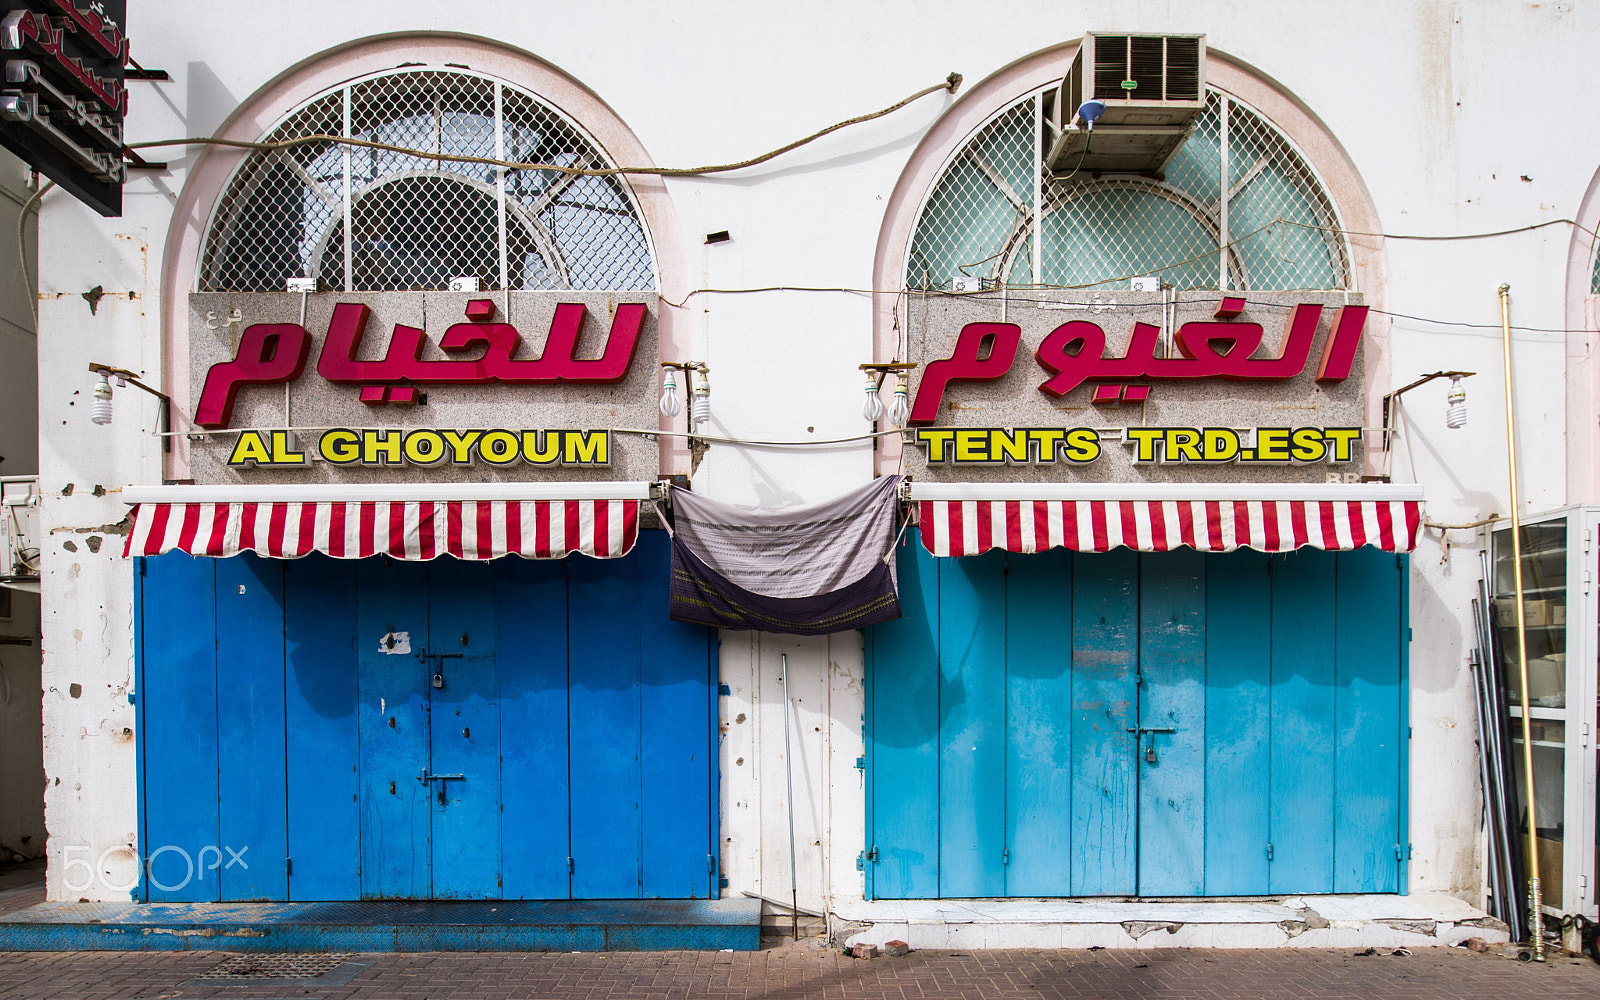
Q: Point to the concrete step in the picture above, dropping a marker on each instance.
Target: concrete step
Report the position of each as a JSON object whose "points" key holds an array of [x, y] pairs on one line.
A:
{"points": [[386, 926], [1374, 921]]}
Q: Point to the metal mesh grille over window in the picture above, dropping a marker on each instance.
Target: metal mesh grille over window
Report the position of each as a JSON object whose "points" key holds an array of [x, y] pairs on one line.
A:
{"points": [[1237, 207], [364, 219]]}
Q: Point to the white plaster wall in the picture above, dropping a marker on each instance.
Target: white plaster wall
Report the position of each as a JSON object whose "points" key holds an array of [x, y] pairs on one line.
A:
{"points": [[1430, 100]]}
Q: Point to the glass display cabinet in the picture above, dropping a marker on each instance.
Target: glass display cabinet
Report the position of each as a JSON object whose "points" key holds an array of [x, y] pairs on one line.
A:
{"points": [[1559, 611]]}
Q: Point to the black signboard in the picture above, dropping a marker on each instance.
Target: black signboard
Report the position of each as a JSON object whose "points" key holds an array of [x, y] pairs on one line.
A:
{"points": [[62, 99]]}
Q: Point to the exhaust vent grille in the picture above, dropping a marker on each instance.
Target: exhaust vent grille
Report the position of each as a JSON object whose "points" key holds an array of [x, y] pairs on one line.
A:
{"points": [[1183, 69], [1147, 67], [1110, 65], [1165, 68]]}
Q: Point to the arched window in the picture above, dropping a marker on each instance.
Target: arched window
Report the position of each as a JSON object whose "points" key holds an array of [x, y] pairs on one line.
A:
{"points": [[998, 212], [364, 219]]}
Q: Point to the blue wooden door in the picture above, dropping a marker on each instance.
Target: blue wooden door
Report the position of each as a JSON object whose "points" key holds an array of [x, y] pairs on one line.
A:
{"points": [[294, 743], [1164, 724]]}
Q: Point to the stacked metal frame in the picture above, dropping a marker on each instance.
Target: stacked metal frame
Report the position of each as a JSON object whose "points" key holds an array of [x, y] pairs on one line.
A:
{"points": [[1507, 877]]}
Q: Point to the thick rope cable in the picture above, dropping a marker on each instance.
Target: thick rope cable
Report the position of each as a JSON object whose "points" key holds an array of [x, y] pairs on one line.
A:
{"points": [[950, 84]]}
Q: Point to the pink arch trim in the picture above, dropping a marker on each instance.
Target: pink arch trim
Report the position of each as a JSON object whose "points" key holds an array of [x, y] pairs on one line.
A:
{"points": [[1009, 84], [215, 165]]}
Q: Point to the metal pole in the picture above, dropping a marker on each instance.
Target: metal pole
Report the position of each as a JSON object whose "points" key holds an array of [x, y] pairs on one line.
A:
{"points": [[788, 773], [1535, 903], [1222, 195]]}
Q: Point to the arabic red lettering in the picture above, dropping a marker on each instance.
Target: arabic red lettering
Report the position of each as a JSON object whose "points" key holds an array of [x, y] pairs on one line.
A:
{"points": [[1339, 355], [562, 346], [276, 352], [1225, 350], [557, 363], [967, 363], [1237, 364], [268, 353]]}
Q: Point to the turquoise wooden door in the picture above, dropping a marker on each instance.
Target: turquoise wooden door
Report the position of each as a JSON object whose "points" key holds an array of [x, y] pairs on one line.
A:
{"points": [[1160, 724]]}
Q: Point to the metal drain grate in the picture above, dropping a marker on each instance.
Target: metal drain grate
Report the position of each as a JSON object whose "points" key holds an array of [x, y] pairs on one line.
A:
{"points": [[287, 965]]}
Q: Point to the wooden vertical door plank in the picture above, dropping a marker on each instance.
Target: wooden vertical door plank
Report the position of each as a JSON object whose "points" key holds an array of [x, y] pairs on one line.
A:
{"points": [[1039, 724], [396, 806], [1172, 662], [678, 767], [1105, 654], [1238, 722], [1370, 750], [903, 735], [603, 622], [323, 743], [464, 718], [180, 736], [251, 776], [531, 607], [972, 728], [1303, 733]]}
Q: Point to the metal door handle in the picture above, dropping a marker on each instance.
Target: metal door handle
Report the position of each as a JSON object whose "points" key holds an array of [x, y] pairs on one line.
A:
{"points": [[1149, 753], [425, 777]]}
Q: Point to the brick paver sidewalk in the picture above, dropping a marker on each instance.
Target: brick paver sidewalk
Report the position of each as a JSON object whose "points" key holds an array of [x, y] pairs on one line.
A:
{"points": [[795, 971]]}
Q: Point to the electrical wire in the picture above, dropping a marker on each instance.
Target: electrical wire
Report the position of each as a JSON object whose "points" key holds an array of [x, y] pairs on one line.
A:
{"points": [[1463, 236], [22, 248], [950, 85], [1081, 158], [633, 431], [1459, 527], [939, 292]]}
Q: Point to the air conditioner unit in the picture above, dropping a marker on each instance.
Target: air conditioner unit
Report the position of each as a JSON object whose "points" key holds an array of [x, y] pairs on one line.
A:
{"points": [[1153, 88]]}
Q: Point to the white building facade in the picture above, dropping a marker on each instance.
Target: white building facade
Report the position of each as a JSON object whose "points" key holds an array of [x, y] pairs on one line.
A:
{"points": [[1386, 135]]}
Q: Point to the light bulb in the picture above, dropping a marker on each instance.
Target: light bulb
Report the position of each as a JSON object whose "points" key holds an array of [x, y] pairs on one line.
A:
{"points": [[671, 405], [702, 396], [100, 409], [872, 408], [900, 402], [1455, 412]]}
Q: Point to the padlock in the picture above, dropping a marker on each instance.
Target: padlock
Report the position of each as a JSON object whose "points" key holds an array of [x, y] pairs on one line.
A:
{"points": [[438, 679], [1149, 755]]}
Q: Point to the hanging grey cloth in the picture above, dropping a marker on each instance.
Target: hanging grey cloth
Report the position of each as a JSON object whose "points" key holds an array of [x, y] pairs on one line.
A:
{"points": [[799, 570]]}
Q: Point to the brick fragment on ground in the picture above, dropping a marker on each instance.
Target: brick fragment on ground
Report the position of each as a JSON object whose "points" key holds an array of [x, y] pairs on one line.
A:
{"points": [[864, 951], [894, 949]]}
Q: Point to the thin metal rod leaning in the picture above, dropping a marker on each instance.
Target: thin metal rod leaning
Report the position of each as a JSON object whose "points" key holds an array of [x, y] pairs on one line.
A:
{"points": [[788, 773], [1535, 903]]}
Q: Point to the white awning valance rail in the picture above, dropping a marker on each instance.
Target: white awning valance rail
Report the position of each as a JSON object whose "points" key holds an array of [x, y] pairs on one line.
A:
{"points": [[415, 523], [960, 519]]}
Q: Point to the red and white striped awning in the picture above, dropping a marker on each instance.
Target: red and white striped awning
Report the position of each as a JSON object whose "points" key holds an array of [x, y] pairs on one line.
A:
{"points": [[1338, 518], [408, 529]]}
